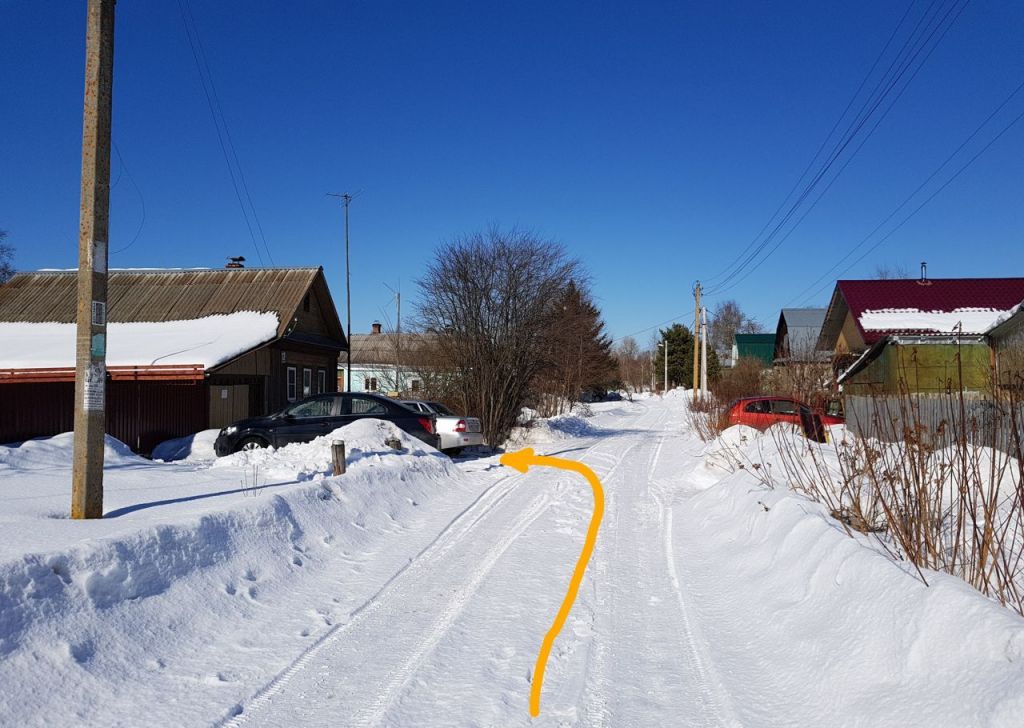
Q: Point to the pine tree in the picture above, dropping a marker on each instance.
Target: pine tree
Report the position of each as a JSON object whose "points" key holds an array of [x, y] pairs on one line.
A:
{"points": [[680, 358]]}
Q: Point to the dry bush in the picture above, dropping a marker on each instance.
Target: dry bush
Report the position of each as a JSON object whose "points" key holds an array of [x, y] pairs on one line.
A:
{"points": [[941, 481], [745, 379], [706, 417], [809, 382]]}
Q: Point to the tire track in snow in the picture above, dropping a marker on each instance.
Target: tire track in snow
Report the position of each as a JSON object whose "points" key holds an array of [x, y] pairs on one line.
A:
{"points": [[451, 536], [372, 714], [715, 697], [455, 531], [616, 457], [597, 685]]}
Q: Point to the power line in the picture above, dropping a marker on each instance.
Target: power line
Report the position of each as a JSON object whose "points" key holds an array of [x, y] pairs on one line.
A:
{"points": [[123, 168], [920, 187], [224, 139], [921, 38], [821, 147], [931, 197]]}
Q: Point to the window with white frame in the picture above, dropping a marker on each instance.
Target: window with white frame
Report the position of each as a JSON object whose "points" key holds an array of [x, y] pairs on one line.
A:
{"points": [[415, 385], [291, 384], [370, 384], [307, 382]]}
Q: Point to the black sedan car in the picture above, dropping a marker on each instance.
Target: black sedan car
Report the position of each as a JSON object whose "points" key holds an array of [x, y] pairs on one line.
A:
{"points": [[319, 415]]}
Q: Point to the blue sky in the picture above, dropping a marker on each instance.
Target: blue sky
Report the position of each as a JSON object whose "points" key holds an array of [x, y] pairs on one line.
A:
{"points": [[653, 140]]}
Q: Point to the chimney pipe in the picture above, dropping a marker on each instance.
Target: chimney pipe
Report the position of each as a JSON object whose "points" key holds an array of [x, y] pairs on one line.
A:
{"points": [[924, 270], [375, 327]]}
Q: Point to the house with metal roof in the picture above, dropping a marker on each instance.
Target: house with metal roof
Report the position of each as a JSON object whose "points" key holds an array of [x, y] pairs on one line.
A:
{"points": [[753, 346], [926, 335], [796, 336], [389, 362], [187, 350]]}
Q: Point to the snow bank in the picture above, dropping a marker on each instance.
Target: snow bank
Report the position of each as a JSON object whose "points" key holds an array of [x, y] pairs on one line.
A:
{"points": [[197, 447], [187, 562], [544, 430], [783, 585], [206, 341], [365, 440], [50, 452]]}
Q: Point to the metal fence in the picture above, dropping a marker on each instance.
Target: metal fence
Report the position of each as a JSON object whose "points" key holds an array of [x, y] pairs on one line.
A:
{"points": [[938, 420]]}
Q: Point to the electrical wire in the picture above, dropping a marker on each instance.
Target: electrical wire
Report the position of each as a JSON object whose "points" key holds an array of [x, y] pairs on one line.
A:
{"points": [[928, 32], [931, 197], [123, 169], [224, 138], [907, 200]]}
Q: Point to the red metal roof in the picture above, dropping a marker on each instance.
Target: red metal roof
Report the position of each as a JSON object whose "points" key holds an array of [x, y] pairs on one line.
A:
{"points": [[940, 294]]}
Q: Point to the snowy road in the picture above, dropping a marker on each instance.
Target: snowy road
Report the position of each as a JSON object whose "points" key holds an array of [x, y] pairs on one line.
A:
{"points": [[452, 638]]}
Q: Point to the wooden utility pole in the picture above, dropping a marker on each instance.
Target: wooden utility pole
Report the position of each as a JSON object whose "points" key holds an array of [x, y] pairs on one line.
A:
{"points": [[696, 336], [91, 340]]}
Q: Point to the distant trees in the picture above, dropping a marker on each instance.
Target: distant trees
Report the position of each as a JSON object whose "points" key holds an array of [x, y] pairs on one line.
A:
{"points": [[634, 365], [6, 256], [885, 272], [727, 320], [493, 303], [680, 358]]}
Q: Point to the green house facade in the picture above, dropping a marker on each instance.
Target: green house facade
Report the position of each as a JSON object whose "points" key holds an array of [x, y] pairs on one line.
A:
{"points": [[754, 346]]}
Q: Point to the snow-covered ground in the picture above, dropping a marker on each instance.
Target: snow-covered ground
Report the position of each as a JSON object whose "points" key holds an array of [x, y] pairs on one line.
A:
{"points": [[414, 592]]}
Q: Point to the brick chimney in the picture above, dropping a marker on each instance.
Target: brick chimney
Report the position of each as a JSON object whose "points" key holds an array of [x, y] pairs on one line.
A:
{"points": [[375, 328]]}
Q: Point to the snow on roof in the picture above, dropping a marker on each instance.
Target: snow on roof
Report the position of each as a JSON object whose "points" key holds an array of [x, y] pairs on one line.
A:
{"points": [[206, 341], [960, 320]]}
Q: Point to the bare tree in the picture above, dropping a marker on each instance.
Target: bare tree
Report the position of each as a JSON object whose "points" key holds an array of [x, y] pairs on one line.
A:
{"points": [[6, 255], [632, 372], [489, 298], [726, 321]]}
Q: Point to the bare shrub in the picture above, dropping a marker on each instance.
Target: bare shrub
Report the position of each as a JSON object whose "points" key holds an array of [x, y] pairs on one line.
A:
{"points": [[944, 493], [745, 379], [809, 382]]}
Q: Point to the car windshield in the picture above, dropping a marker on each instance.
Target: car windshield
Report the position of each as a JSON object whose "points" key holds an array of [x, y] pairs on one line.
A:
{"points": [[441, 409]]}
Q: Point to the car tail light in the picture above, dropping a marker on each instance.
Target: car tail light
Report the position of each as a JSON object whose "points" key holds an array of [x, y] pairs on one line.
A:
{"points": [[460, 426], [428, 424]]}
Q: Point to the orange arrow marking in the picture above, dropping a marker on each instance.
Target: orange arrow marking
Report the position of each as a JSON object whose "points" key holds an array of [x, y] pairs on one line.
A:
{"points": [[521, 461]]}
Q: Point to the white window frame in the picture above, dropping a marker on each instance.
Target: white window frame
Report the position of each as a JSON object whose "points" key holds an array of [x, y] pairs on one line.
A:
{"points": [[307, 381], [291, 384], [370, 384]]}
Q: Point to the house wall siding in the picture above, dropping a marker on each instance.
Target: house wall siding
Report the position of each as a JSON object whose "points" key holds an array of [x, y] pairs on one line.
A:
{"points": [[850, 341], [924, 368]]}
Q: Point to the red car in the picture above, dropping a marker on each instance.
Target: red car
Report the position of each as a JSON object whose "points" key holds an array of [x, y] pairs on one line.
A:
{"points": [[763, 412]]}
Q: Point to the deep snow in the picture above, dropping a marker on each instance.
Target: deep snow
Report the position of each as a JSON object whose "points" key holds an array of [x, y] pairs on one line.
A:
{"points": [[415, 592]]}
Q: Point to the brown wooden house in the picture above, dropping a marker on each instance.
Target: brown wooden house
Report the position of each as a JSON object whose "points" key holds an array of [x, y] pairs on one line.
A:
{"points": [[187, 349]]}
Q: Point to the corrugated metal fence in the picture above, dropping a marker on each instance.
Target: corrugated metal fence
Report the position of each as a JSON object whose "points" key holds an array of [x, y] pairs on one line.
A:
{"points": [[938, 419], [140, 414]]}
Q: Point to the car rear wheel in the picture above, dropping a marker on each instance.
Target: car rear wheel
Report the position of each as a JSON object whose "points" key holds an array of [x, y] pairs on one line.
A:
{"points": [[251, 443]]}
